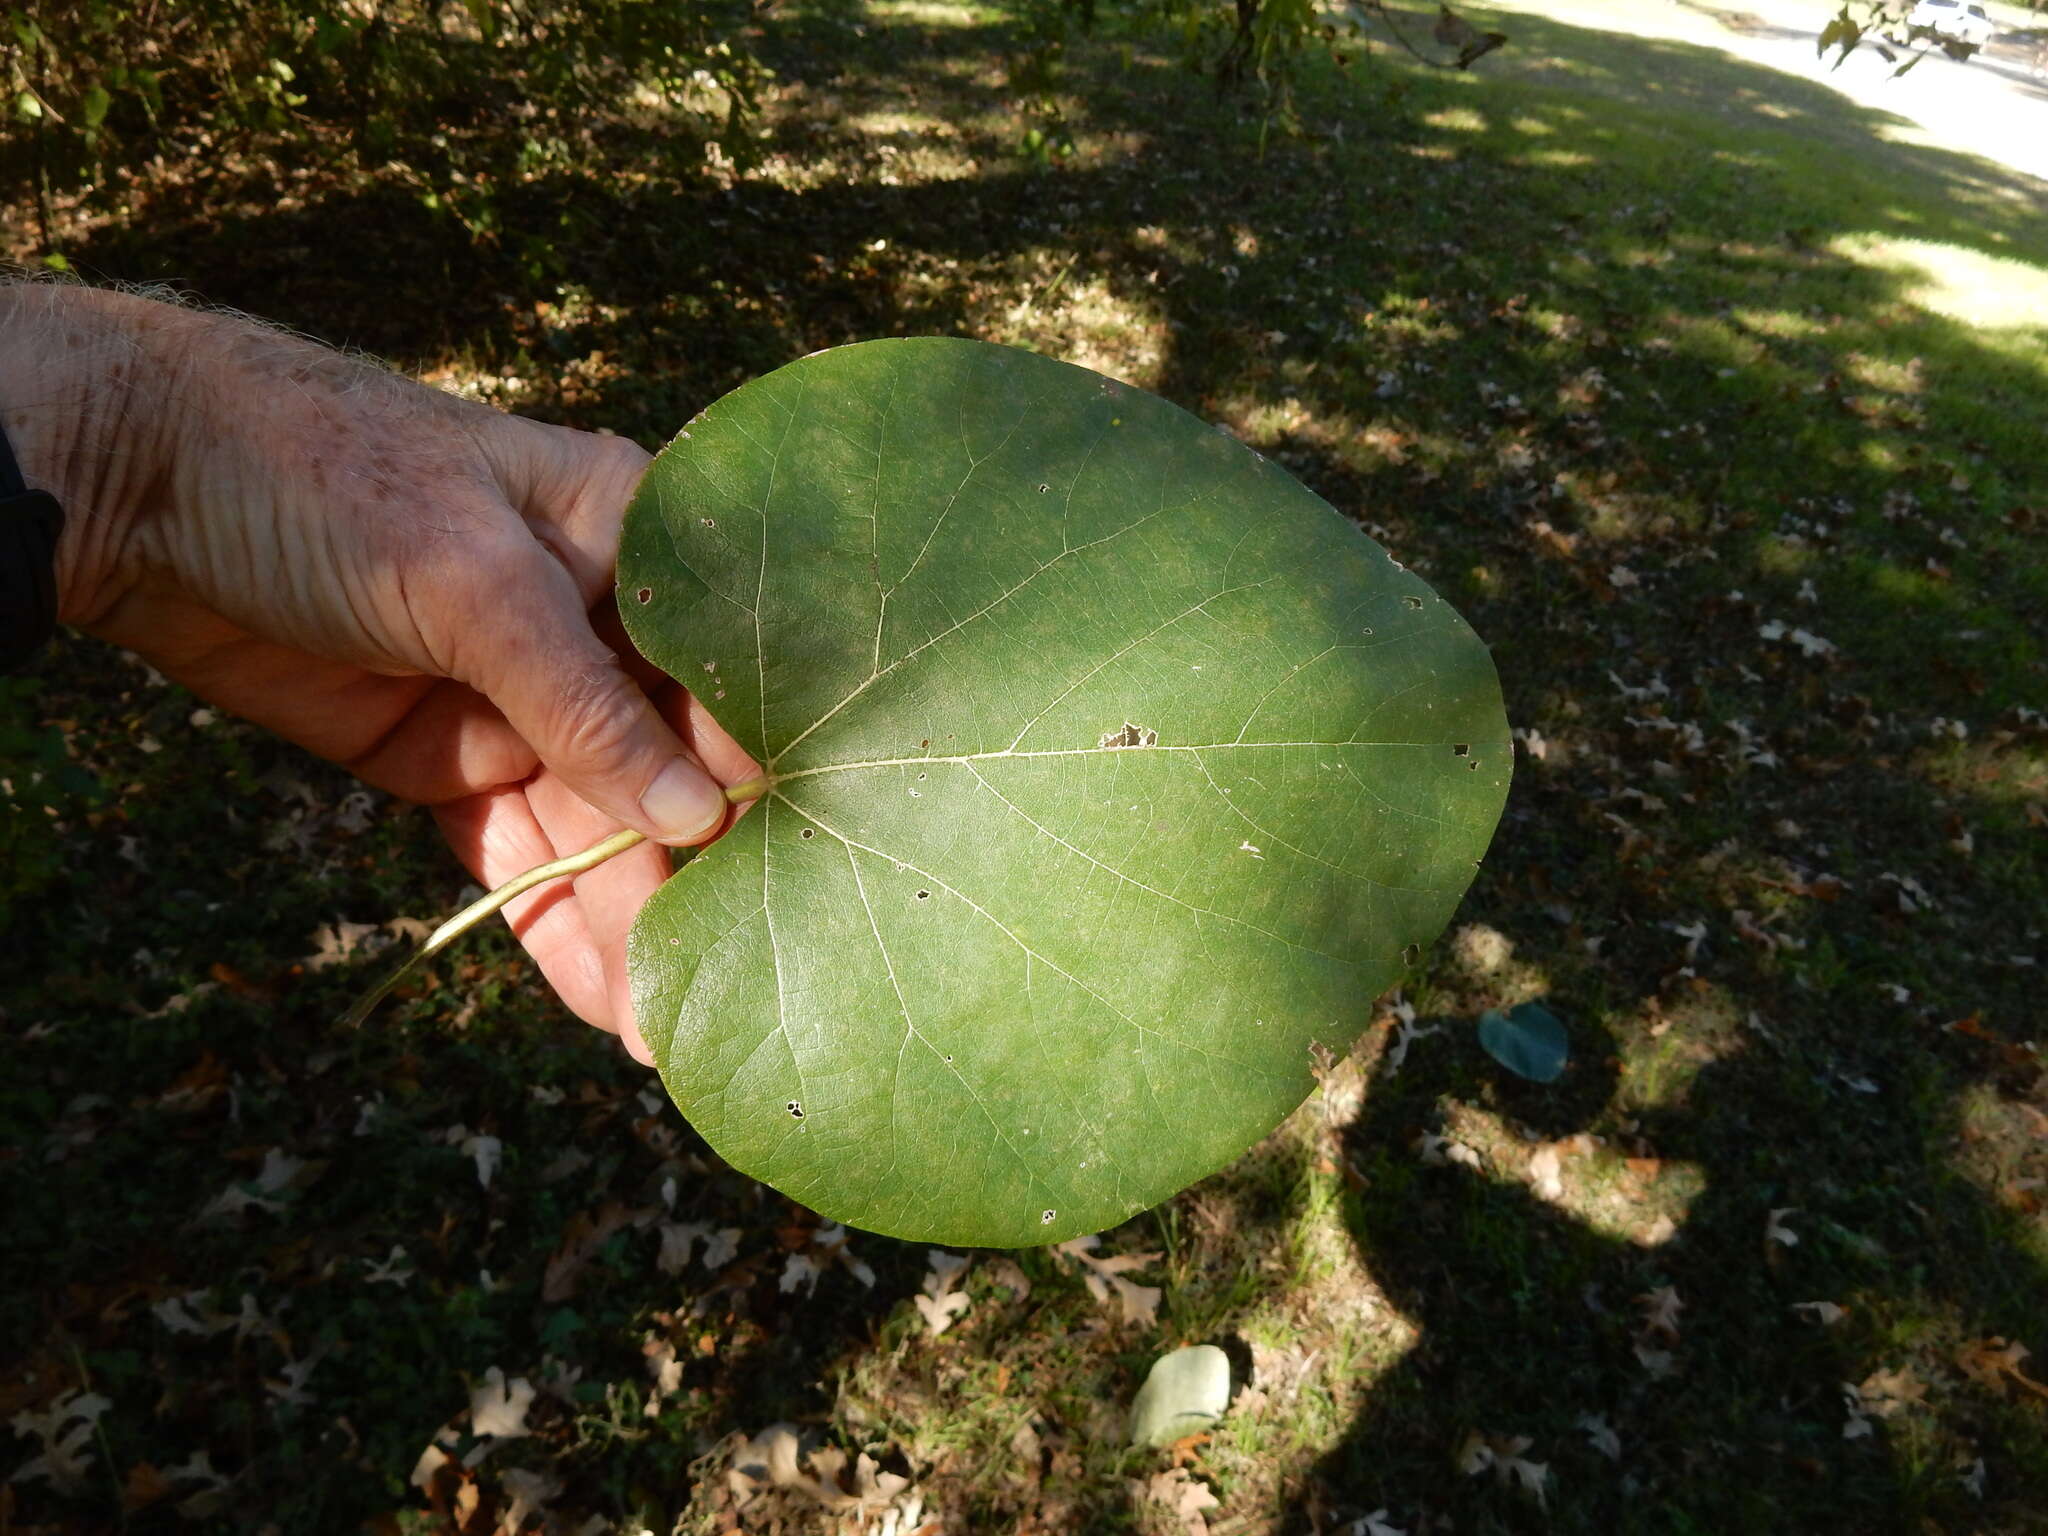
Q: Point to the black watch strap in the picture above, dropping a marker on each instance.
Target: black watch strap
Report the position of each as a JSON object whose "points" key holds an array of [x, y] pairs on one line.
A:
{"points": [[30, 522]]}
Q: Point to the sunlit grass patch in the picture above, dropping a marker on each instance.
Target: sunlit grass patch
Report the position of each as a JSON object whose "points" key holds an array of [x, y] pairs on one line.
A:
{"points": [[1087, 318], [1992, 292], [1457, 120], [936, 13]]}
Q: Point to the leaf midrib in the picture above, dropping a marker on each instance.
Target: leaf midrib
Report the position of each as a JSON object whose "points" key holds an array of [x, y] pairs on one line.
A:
{"points": [[776, 780]]}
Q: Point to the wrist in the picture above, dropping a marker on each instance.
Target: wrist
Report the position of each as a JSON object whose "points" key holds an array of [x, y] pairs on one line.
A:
{"points": [[85, 391]]}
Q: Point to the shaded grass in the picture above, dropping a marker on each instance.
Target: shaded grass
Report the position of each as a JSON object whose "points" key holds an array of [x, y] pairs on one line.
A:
{"points": [[1621, 369]]}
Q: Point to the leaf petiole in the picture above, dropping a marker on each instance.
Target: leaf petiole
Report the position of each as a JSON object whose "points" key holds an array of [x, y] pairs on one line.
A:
{"points": [[571, 864]]}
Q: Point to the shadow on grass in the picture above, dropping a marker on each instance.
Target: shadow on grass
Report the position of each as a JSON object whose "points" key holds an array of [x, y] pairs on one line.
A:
{"points": [[1528, 336], [1539, 1326]]}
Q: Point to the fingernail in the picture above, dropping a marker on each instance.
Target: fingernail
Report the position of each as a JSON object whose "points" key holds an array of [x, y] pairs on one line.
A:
{"points": [[683, 803]]}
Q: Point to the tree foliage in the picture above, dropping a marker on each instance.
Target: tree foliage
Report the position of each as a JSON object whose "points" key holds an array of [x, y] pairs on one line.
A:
{"points": [[456, 98], [1888, 27], [1253, 48]]}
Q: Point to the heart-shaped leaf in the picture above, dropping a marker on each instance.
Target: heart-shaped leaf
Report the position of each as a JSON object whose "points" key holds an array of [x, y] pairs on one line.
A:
{"points": [[1110, 772], [1528, 1040]]}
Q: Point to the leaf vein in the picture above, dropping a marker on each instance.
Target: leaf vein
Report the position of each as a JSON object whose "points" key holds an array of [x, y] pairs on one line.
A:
{"points": [[1007, 932], [1153, 890]]}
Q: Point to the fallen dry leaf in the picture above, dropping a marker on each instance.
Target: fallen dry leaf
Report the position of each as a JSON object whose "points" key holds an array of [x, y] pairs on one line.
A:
{"points": [[939, 1302], [775, 1461], [1885, 1393], [66, 1430], [1992, 1362], [1479, 1451], [587, 1232], [498, 1408], [1440, 1151], [531, 1493], [1010, 1275], [1181, 1496], [1826, 1313], [1544, 1173], [1660, 1312], [1601, 1434], [1105, 1279], [144, 1486], [1658, 1362]]}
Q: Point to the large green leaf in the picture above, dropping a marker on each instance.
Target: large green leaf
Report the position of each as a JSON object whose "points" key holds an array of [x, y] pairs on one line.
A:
{"points": [[1112, 774]]}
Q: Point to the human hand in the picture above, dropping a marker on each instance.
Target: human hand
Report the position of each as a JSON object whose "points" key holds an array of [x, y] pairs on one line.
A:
{"points": [[408, 584]]}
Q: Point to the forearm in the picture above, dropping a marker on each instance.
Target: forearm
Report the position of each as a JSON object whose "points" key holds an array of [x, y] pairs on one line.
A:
{"points": [[88, 393]]}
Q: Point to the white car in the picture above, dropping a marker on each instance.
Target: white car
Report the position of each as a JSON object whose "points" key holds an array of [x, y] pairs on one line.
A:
{"points": [[1951, 20]]}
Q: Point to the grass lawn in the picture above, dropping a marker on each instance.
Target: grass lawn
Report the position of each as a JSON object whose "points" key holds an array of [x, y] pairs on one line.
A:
{"points": [[1717, 411]]}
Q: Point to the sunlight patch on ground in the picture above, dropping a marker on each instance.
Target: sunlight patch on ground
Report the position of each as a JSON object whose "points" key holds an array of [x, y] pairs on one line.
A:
{"points": [[1717, 341], [1998, 767], [1785, 559], [930, 13], [1783, 325], [1643, 1201], [1082, 318], [1995, 292], [882, 124], [1998, 1151], [1456, 120]]}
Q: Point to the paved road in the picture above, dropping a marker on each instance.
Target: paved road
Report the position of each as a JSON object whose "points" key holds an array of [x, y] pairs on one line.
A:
{"points": [[1991, 104], [1994, 105]]}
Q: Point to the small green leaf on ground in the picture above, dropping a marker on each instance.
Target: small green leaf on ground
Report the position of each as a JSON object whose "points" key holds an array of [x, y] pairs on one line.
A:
{"points": [[1528, 1040], [1185, 1392]]}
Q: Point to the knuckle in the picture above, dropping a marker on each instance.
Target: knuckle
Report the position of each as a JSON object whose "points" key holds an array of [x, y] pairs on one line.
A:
{"points": [[624, 455], [597, 720], [615, 465]]}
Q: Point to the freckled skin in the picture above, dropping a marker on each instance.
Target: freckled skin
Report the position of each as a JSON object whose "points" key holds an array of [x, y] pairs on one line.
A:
{"points": [[407, 583]]}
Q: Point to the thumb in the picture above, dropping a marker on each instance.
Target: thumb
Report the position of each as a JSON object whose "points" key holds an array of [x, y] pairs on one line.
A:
{"points": [[569, 695]]}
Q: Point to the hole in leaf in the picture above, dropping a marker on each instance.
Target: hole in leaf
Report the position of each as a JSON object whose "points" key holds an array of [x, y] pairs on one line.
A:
{"points": [[1043, 489], [1130, 736], [645, 594], [1411, 955], [1462, 749], [1411, 602], [808, 832], [924, 895], [709, 522], [1046, 1218], [796, 1110], [1474, 764]]}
